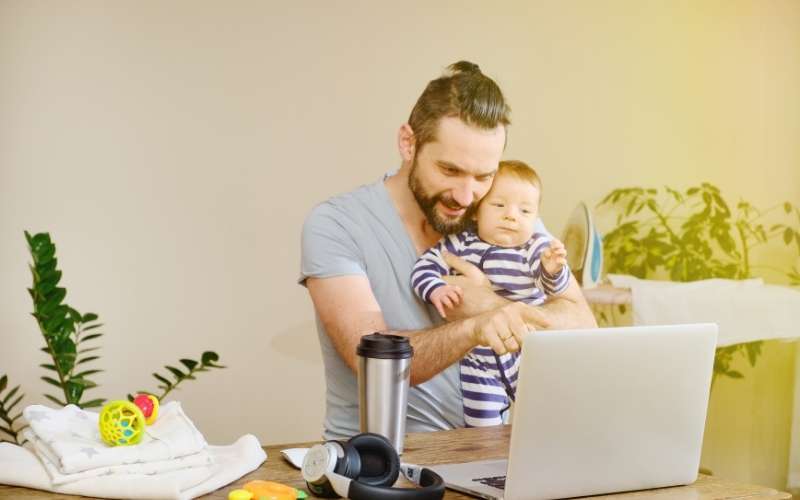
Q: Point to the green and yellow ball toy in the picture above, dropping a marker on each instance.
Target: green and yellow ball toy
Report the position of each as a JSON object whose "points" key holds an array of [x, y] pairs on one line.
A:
{"points": [[122, 423]]}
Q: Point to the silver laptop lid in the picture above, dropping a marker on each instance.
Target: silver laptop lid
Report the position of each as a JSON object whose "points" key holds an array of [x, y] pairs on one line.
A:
{"points": [[607, 410]]}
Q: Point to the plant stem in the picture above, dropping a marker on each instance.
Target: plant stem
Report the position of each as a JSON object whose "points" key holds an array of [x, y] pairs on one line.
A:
{"points": [[189, 376], [55, 363], [745, 250], [666, 225]]}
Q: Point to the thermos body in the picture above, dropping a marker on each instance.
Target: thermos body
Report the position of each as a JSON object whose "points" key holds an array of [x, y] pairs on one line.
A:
{"points": [[384, 374], [383, 397]]}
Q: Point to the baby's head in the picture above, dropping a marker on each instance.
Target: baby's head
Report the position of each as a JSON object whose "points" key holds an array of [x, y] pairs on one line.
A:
{"points": [[507, 214]]}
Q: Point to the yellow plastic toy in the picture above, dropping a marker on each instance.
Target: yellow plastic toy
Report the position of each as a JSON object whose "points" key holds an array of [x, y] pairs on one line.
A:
{"points": [[122, 423], [240, 495], [269, 490]]}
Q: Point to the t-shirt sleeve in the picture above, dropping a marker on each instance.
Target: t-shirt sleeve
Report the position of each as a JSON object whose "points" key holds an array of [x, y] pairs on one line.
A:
{"points": [[327, 247]]}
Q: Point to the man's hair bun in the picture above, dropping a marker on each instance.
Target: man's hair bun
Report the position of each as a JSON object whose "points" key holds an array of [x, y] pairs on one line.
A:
{"points": [[464, 67]]}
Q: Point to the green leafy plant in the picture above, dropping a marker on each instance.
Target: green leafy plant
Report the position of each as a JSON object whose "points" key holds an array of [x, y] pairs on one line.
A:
{"points": [[9, 425], [70, 339], [694, 235], [208, 360], [65, 330]]}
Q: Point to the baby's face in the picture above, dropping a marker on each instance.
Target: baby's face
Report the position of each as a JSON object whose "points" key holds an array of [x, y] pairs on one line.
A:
{"points": [[507, 214]]}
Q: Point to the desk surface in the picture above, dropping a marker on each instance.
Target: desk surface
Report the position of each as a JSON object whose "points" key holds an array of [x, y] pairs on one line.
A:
{"points": [[458, 446]]}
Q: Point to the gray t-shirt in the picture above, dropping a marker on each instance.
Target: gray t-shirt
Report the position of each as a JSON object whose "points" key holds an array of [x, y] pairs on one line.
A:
{"points": [[360, 233]]}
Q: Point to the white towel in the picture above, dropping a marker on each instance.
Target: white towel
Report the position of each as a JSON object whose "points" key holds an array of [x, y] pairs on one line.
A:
{"points": [[20, 467], [745, 310], [73, 439], [45, 454]]}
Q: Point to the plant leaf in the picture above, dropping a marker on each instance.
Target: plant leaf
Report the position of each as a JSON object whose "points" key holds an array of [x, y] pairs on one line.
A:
{"points": [[16, 401], [10, 395], [55, 400], [179, 375], [93, 403], [162, 379], [52, 381], [209, 358], [64, 353], [189, 363], [74, 392], [87, 359], [753, 351], [85, 383]]}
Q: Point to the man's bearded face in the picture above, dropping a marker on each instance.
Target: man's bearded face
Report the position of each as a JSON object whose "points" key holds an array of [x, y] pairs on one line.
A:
{"points": [[441, 223]]}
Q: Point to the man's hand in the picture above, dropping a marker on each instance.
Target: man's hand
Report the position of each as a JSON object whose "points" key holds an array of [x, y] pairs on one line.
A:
{"points": [[477, 294], [504, 328], [554, 258], [447, 296], [568, 310]]}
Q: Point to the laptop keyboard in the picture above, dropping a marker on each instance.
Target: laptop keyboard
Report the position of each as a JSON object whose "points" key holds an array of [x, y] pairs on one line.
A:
{"points": [[498, 482]]}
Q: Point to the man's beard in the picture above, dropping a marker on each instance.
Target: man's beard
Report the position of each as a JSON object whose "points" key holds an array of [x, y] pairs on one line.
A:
{"points": [[428, 203]]}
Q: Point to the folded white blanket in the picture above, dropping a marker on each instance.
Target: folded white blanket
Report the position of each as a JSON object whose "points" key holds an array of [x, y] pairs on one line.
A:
{"points": [[45, 454], [20, 467], [72, 440], [745, 310]]}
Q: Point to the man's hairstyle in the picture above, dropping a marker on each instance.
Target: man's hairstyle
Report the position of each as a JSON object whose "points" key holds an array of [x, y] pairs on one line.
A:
{"points": [[521, 171], [463, 91]]}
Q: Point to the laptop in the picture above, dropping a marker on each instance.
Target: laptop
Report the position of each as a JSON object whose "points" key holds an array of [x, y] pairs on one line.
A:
{"points": [[601, 411]]}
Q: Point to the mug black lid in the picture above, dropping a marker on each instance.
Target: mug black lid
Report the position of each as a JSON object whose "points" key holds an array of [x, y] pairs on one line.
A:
{"points": [[384, 346]]}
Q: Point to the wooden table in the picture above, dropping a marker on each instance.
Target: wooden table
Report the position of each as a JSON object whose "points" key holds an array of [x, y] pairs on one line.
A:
{"points": [[458, 446]]}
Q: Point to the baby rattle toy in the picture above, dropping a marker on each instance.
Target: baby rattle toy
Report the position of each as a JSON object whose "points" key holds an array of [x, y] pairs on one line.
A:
{"points": [[122, 423]]}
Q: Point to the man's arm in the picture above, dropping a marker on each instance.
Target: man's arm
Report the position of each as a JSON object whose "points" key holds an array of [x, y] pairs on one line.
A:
{"points": [[567, 310], [348, 310]]}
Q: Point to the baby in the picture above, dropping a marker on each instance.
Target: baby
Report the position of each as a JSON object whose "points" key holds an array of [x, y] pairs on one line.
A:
{"points": [[521, 264]]}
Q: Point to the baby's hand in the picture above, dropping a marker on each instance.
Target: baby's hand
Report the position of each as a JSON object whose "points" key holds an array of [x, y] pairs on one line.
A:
{"points": [[446, 296], [554, 258]]}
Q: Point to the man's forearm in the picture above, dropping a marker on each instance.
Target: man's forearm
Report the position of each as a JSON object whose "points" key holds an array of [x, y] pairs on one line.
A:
{"points": [[563, 313], [437, 348]]}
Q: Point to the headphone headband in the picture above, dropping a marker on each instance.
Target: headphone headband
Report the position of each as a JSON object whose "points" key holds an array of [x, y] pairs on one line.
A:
{"points": [[431, 487]]}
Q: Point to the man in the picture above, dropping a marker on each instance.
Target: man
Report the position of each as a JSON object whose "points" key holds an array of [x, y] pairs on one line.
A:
{"points": [[358, 250]]}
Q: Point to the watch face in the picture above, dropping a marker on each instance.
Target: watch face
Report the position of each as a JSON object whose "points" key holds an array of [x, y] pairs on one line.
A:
{"points": [[315, 464]]}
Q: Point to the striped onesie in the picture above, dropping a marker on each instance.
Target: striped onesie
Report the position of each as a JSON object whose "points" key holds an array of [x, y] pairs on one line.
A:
{"points": [[488, 381]]}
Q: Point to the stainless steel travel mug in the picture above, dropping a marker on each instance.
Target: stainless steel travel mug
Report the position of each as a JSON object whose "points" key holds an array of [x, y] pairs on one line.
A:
{"points": [[384, 372]]}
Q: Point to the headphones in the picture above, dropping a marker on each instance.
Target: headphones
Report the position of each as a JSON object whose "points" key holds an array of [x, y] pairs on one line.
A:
{"points": [[364, 468]]}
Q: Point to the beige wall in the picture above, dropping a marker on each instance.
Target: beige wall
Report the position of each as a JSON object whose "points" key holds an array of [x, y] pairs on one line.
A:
{"points": [[173, 148]]}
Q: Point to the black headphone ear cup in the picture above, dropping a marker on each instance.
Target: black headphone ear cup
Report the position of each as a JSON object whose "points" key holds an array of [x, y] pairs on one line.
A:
{"points": [[380, 465], [350, 463]]}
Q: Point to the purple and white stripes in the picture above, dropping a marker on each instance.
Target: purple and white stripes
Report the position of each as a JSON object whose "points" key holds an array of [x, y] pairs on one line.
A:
{"points": [[516, 273], [488, 382]]}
